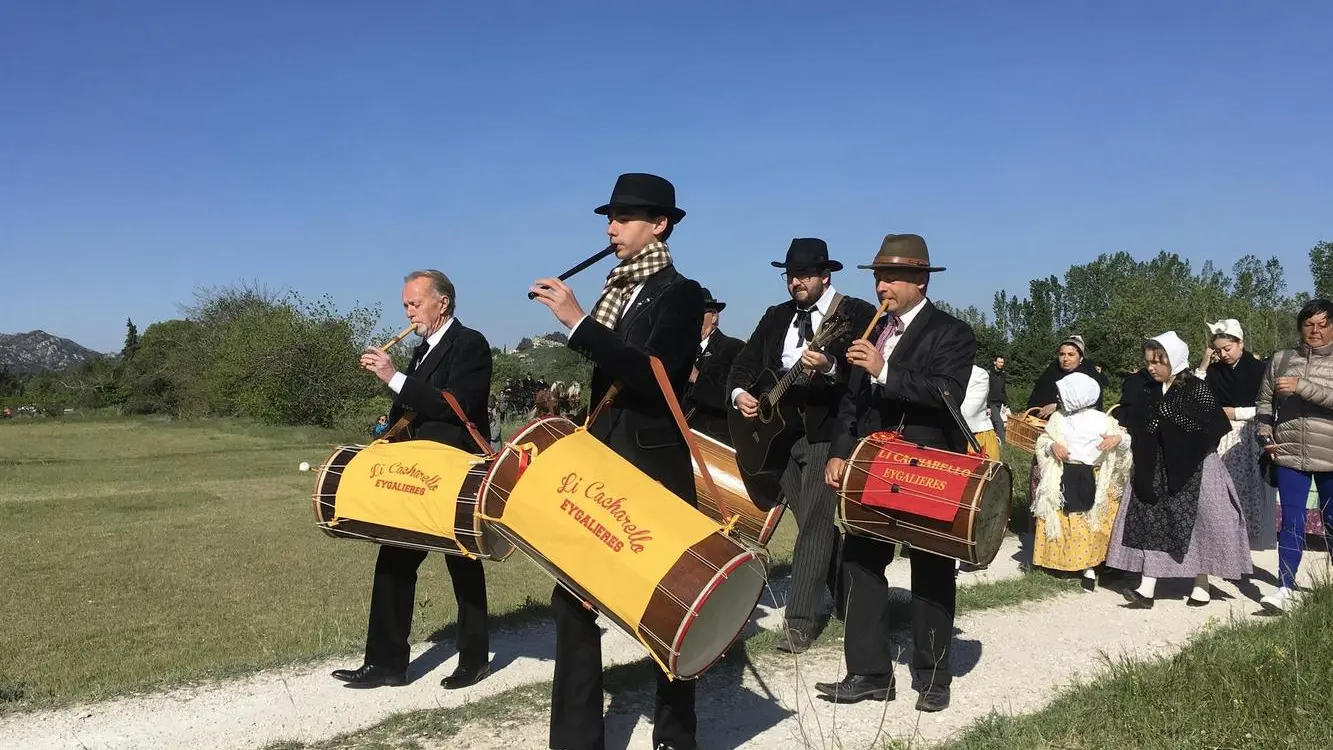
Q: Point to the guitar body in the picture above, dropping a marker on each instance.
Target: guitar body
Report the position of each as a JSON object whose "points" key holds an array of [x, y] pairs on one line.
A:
{"points": [[764, 444]]}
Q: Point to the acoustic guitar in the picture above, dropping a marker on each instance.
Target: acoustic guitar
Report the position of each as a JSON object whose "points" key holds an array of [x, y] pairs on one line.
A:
{"points": [[764, 444]]}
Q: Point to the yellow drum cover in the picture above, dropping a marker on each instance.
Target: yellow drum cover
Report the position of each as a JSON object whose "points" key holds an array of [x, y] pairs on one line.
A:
{"points": [[604, 523], [412, 485]]}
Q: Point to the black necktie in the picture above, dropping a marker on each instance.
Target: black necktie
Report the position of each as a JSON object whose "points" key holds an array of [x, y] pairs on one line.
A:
{"points": [[804, 328]]}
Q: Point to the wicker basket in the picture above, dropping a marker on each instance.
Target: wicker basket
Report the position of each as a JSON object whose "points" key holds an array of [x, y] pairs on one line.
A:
{"points": [[1022, 433]]}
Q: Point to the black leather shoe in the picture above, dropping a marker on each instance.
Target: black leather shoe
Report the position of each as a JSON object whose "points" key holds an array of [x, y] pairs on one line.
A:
{"points": [[934, 700], [858, 687], [465, 676], [370, 676], [795, 641], [1137, 600]]}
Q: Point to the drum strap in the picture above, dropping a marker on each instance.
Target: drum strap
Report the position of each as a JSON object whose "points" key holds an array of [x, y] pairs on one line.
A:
{"points": [[405, 421], [670, 396]]}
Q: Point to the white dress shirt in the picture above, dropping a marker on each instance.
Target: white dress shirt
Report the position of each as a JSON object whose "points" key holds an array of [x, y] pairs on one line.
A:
{"points": [[905, 320], [703, 345], [396, 382], [791, 353]]}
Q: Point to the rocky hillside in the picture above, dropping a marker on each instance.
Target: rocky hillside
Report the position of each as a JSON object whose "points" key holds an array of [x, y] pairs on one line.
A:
{"points": [[39, 351]]}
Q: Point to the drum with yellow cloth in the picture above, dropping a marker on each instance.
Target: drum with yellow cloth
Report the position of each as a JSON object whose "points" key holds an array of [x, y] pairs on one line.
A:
{"points": [[951, 504], [418, 494], [753, 525], [667, 574]]}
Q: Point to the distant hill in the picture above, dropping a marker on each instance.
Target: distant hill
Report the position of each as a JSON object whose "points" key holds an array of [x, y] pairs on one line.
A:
{"points": [[39, 351]]}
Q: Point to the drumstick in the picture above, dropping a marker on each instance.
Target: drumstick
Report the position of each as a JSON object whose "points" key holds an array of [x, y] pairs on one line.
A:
{"points": [[389, 344]]}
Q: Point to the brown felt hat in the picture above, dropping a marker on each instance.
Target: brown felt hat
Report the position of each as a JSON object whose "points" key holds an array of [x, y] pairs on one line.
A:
{"points": [[903, 251]]}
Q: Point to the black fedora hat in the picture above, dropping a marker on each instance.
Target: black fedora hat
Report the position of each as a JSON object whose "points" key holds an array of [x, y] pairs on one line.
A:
{"points": [[808, 252], [711, 304], [637, 190], [903, 251]]}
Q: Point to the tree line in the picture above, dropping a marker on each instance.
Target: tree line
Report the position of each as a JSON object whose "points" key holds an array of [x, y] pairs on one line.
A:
{"points": [[246, 352], [1115, 302]]}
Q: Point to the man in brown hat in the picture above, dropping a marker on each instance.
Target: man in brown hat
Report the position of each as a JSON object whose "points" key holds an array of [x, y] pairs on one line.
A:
{"points": [[646, 308], [783, 340], [916, 355]]}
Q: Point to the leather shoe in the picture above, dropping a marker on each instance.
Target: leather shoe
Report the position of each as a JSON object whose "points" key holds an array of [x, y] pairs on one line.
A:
{"points": [[858, 687], [1137, 600], [465, 676], [795, 641], [933, 700], [370, 676]]}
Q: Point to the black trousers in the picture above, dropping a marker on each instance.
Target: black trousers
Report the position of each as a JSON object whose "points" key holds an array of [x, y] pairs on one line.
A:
{"points": [[934, 590], [391, 603], [576, 694], [997, 418], [814, 559]]}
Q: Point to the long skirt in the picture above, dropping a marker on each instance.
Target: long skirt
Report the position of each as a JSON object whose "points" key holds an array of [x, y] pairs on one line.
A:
{"points": [[1219, 544], [1240, 451]]}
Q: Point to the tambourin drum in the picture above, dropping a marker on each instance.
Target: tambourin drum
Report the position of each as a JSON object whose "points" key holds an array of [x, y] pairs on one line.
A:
{"points": [[951, 504], [417, 494], [636, 553], [753, 525]]}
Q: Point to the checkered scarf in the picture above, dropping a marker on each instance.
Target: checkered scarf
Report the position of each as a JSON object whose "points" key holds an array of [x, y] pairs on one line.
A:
{"points": [[624, 277]]}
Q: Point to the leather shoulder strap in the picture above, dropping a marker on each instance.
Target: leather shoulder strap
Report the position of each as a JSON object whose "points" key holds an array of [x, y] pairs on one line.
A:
{"points": [[670, 395]]}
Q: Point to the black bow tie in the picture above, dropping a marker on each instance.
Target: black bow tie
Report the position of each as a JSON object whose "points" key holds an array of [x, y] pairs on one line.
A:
{"points": [[805, 329], [419, 353]]}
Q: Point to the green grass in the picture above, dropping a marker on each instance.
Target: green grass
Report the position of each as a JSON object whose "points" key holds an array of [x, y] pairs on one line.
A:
{"points": [[140, 554], [148, 553], [1244, 684]]}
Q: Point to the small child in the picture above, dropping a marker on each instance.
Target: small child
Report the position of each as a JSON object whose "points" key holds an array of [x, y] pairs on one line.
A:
{"points": [[1082, 463]]}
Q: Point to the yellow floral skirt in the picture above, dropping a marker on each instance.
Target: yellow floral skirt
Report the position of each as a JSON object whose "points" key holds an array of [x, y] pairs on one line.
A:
{"points": [[1079, 546]]}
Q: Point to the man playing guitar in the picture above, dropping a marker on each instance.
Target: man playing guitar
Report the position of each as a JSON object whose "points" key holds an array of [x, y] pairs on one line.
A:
{"points": [[780, 342]]}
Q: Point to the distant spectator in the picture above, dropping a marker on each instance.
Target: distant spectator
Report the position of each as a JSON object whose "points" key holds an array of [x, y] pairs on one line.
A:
{"points": [[1070, 356], [998, 397], [381, 426]]}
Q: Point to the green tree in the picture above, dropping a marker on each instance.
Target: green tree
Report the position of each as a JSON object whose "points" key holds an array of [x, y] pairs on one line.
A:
{"points": [[1321, 268], [131, 346]]}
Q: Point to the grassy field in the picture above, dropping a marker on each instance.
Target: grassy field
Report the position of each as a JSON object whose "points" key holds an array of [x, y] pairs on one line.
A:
{"points": [[1243, 685], [139, 554]]}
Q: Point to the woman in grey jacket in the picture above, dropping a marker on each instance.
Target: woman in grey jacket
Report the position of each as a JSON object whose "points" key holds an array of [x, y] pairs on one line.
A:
{"points": [[1295, 416]]}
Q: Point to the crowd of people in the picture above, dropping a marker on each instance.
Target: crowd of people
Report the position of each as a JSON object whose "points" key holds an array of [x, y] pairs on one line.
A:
{"points": [[1168, 483], [1183, 478]]}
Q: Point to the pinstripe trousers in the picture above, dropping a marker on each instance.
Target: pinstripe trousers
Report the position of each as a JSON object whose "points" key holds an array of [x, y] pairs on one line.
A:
{"points": [[815, 558]]}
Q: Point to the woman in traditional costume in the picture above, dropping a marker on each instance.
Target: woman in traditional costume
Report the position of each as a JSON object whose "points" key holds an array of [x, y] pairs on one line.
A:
{"points": [[1235, 375], [1181, 517], [1083, 460]]}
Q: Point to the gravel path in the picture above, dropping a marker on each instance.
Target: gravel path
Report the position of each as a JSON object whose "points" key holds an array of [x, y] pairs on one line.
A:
{"points": [[1011, 659]]}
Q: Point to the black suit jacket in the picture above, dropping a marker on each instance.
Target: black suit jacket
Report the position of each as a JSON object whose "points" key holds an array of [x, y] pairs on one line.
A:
{"points": [[936, 352], [663, 321], [706, 404], [819, 398], [460, 364]]}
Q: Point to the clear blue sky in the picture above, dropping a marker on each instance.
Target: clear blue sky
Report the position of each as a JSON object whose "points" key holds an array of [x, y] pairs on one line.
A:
{"points": [[149, 147]]}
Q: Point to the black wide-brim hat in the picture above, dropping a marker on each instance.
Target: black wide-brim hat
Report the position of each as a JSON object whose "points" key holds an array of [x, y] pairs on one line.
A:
{"points": [[712, 304], [643, 192], [903, 251], [808, 252]]}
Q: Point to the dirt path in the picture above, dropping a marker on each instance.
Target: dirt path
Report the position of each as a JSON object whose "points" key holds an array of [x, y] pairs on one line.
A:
{"points": [[1011, 658]]}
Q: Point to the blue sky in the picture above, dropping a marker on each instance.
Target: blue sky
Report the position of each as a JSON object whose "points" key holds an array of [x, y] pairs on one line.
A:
{"points": [[151, 147]]}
